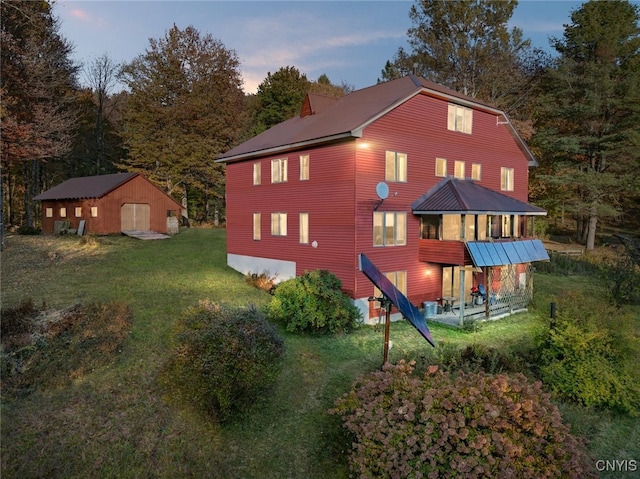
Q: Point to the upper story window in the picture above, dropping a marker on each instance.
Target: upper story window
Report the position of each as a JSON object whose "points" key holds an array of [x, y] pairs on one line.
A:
{"points": [[257, 217], [459, 118], [304, 228], [279, 170], [304, 167], [458, 169], [257, 173], [395, 166], [506, 179], [476, 171], [389, 228], [279, 224], [430, 226], [441, 167]]}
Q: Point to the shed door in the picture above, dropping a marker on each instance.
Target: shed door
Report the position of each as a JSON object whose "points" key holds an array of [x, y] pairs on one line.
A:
{"points": [[135, 217]]}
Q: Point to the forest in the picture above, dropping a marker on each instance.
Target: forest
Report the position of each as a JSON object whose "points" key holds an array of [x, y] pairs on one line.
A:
{"points": [[183, 104]]}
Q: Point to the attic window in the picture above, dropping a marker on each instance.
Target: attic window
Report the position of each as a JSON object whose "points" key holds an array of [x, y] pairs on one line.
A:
{"points": [[459, 118]]}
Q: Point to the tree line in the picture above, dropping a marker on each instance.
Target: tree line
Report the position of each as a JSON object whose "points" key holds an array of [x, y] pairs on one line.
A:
{"points": [[183, 105]]}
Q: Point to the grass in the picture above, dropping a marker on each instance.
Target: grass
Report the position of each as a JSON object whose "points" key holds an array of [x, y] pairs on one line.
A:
{"points": [[115, 422]]}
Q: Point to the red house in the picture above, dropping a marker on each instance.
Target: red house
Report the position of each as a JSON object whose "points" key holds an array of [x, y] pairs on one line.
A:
{"points": [[430, 184], [109, 204]]}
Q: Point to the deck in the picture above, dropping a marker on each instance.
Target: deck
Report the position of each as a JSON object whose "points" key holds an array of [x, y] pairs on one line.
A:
{"points": [[497, 310]]}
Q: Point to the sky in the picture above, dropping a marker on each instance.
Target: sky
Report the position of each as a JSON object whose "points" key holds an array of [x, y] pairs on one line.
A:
{"points": [[349, 41]]}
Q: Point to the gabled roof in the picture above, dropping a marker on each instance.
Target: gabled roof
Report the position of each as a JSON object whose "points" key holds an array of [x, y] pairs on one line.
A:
{"points": [[86, 187], [454, 195], [346, 117]]}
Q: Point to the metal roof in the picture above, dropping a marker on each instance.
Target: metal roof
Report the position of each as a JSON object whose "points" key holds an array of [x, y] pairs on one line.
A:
{"points": [[487, 253], [346, 117], [453, 195], [86, 187]]}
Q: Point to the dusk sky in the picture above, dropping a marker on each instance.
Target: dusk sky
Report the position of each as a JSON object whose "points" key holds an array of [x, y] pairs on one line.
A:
{"points": [[349, 41]]}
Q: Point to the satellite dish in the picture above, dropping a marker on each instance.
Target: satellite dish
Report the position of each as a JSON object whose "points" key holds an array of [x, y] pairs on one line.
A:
{"points": [[382, 190]]}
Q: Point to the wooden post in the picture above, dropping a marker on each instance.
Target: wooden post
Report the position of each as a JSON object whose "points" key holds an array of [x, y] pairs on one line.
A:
{"points": [[387, 324], [487, 273]]}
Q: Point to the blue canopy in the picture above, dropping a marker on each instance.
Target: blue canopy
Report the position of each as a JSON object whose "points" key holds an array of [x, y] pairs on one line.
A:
{"points": [[488, 253]]}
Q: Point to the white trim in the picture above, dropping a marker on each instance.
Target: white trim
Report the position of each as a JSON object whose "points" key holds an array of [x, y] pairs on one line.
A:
{"points": [[253, 264]]}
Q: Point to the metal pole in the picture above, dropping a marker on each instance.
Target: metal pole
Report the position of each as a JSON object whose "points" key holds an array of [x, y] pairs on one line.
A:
{"points": [[387, 322]]}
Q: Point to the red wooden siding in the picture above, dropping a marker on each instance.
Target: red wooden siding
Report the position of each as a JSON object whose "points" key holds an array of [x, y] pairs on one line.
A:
{"points": [[137, 190], [444, 252]]}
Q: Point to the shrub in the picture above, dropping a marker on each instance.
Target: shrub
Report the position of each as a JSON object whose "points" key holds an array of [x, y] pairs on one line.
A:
{"points": [[468, 425], [313, 302], [587, 355], [262, 280], [224, 359], [29, 230]]}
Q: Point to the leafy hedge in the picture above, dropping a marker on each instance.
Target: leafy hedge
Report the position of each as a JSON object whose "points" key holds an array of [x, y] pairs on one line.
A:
{"points": [[588, 354], [468, 425], [224, 359], [313, 302]]}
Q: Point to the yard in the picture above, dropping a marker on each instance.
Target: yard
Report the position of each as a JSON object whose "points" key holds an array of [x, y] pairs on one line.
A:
{"points": [[114, 421]]}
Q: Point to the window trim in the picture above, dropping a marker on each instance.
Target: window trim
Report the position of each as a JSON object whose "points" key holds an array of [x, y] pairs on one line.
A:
{"points": [[279, 170], [398, 239], [400, 166]]}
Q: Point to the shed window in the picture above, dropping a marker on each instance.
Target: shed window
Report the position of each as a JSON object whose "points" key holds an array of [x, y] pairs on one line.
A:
{"points": [[94, 211], [78, 211], [49, 212], [63, 212]]}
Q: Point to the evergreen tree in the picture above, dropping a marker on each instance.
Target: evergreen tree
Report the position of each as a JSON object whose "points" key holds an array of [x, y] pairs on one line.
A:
{"points": [[591, 112], [184, 108]]}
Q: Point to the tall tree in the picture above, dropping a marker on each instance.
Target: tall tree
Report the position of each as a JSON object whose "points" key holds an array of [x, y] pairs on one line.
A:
{"points": [[467, 46], [591, 113], [37, 91], [184, 107]]}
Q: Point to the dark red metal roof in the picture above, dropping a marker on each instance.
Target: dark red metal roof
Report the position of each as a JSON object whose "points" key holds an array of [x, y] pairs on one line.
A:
{"points": [[86, 187], [346, 117], [454, 195]]}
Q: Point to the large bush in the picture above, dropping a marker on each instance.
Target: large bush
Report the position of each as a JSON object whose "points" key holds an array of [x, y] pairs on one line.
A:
{"points": [[468, 425], [588, 354], [224, 359], [313, 302]]}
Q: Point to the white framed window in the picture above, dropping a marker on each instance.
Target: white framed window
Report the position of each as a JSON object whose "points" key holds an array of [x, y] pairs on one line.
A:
{"points": [[395, 166], [389, 228], [398, 279], [78, 211], [304, 228], [63, 212], [304, 167], [278, 224], [49, 212], [458, 169], [476, 171], [441, 167], [257, 217], [279, 170], [257, 173], [459, 118], [506, 179], [94, 211]]}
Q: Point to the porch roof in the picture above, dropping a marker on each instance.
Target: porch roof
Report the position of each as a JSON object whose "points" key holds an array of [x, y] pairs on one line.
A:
{"points": [[453, 195], [488, 253]]}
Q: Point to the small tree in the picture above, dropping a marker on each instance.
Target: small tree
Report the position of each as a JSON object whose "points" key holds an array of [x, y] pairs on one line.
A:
{"points": [[313, 302]]}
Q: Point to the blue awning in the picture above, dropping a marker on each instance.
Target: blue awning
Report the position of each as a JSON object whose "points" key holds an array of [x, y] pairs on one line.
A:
{"points": [[487, 253]]}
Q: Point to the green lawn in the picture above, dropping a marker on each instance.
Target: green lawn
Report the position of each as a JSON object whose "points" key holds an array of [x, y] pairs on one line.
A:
{"points": [[115, 421]]}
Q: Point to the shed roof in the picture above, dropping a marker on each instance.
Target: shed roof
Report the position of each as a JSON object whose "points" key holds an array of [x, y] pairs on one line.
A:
{"points": [[453, 195], [346, 117], [86, 187]]}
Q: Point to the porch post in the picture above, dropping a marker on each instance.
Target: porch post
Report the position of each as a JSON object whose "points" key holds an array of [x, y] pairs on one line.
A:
{"points": [[462, 295], [487, 273]]}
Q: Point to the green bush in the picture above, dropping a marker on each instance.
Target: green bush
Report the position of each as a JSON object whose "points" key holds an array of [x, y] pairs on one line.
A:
{"points": [[224, 360], [313, 302], [467, 425], [29, 230], [587, 355]]}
